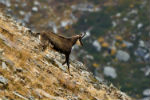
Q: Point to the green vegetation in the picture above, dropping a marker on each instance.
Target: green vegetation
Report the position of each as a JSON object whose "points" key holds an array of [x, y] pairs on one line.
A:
{"points": [[100, 22]]}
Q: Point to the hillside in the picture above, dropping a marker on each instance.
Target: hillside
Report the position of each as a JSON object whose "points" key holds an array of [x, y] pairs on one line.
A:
{"points": [[27, 73]]}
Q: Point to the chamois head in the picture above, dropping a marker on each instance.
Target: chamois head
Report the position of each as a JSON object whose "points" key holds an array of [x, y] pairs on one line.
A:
{"points": [[80, 37]]}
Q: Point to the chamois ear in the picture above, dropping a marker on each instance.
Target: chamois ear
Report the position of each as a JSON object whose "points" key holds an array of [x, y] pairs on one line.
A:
{"points": [[83, 34]]}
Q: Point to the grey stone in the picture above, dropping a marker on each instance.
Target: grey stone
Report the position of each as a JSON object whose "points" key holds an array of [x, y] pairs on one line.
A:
{"points": [[97, 45], [5, 98], [3, 80], [84, 7], [146, 70], [31, 98], [140, 52], [146, 98], [1, 51], [147, 57], [146, 92], [4, 66], [128, 44], [6, 2], [141, 43], [35, 9], [19, 95], [139, 25], [110, 71], [122, 56], [7, 61], [60, 65]]}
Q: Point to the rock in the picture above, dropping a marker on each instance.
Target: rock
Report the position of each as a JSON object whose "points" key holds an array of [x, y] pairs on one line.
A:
{"points": [[146, 92], [36, 3], [128, 44], [5, 98], [35, 9], [146, 70], [134, 11], [147, 57], [3, 80], [65, 23], [20, 96], [99, 79], [133, 22], [125, 19], [6, 2], [4, 66], [146, 98], [19, 70], [140, 52], [122, 56], [97, 45], [31, 98], [114, 23], [60, 65], [53, 25], [118, 14], [141, 43], [78, 64], [7, 61], [139, 25], [85, 7], [40, 91], [1, 51], [90, 57], [22, 13], [27, 17], [110, 71]]}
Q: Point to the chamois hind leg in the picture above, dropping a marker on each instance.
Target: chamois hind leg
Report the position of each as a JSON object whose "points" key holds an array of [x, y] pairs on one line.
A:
{"points": [[43, 44], [44, 47]]}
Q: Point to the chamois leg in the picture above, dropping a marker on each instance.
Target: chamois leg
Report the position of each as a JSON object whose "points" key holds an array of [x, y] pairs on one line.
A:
{"points": [[67, 60], [44, 47], [44, 44]]}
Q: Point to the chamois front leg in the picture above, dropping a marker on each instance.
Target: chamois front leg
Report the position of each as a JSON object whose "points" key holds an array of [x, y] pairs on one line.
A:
{"points": [[67, 61]]}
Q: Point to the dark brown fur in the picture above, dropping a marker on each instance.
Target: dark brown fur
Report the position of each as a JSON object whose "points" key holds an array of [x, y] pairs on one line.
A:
{"points": [[60, 43]]}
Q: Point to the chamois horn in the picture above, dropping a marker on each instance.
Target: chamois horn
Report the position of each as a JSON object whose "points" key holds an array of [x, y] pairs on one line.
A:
{"points": [[83, 34]]}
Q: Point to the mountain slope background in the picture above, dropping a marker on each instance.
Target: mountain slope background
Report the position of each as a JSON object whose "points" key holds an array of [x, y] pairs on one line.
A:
{"points": [[122, 26], [27, 73]]}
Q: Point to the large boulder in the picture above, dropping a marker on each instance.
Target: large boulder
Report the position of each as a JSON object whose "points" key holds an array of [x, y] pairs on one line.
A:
{"points": [[122, 56], [110, 71]]}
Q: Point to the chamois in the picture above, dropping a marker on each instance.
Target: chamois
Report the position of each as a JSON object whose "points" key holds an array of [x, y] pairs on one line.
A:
{"points": [[60, 43]]}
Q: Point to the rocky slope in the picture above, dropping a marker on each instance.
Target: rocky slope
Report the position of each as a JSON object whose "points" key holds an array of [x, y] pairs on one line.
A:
{"points": [[27, 73]]}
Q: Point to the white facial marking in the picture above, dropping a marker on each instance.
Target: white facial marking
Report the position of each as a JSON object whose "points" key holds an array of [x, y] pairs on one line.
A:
{"points": [[78, 42]]}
